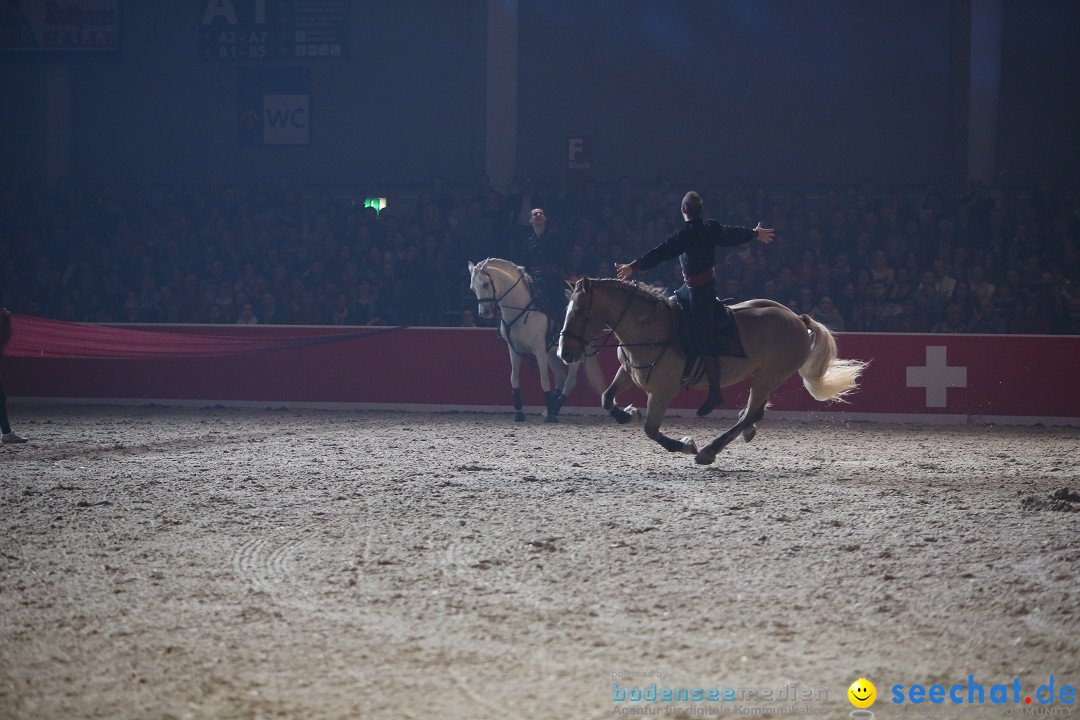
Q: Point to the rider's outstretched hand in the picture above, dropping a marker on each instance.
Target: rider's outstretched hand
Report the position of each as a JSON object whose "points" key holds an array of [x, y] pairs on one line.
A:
{"points": [[764, 234]]}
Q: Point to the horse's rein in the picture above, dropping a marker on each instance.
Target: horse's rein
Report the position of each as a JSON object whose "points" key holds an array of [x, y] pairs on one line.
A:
{"points": [[664, 344]]}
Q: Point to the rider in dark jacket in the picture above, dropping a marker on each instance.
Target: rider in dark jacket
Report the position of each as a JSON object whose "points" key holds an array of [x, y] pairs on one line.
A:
{"points": [[695, 246], [545, 259]]}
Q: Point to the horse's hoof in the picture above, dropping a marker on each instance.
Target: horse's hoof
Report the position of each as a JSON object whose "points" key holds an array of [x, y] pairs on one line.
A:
{"points": [[519, 417], [749, 433], [705, 457], [551, 418], [688, 445], [634, 413]]}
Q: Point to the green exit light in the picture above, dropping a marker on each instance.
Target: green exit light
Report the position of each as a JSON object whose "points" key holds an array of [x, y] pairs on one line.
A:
{"points": [[377, 203]]}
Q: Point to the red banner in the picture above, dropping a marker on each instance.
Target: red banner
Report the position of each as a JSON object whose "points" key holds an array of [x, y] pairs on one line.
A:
{"points": [[984, 376]]}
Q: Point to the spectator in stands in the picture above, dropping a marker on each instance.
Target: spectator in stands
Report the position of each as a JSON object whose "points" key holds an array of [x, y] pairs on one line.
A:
{"points": [[986, 320], [269, 311], [980, 286], [87, 249], [881, 271], [962, 296], [247, 315], [865, 317], [902, 288], [212, 315], [911, 319], [1051, 302], [827, 314], [953, 322], [365, 305]]}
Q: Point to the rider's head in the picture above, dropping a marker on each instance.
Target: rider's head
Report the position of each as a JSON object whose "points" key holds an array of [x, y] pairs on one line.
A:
{"points": [[692, 205], [538, 219]]}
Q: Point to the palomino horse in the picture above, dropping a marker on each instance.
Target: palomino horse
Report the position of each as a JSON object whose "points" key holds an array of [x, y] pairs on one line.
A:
{"points": [[777, 343], [524, 327]]}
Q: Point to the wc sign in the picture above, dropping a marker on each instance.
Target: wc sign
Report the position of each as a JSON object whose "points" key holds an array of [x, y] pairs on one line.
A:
{"points": [[285, 120], [274, 107]]}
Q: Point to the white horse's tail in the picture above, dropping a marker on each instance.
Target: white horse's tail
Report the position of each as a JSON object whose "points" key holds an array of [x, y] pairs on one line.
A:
{"points": [[825, 376]]}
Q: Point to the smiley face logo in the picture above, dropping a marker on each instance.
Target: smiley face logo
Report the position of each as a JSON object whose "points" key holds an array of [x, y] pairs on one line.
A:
{"points": [[862, 693]]}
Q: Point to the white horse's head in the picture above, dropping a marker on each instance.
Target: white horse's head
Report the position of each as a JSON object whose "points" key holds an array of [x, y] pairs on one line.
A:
{"points": [[499, 282], [482, 286]]}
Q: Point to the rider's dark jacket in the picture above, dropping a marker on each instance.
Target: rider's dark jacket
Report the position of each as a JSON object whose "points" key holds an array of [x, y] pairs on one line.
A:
{"points": [[545, 259], [695, 245]]}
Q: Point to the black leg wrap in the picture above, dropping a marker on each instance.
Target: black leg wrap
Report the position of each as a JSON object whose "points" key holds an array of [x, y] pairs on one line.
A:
{"points": [[621, 416], [670, 444], [519, 416], [549, 397], [560, 400]]}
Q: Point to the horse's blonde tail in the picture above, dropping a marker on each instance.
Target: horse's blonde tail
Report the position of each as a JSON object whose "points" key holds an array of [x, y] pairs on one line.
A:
{"points": [[825, 376], [594, 374]]}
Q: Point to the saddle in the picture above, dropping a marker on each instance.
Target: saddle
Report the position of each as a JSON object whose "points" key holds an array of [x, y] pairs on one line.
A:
{"points": [[725, 339]]}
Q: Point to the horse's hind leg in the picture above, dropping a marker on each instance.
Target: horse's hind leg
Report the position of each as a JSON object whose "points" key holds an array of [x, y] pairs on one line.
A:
{"points": [[620, 382], [749, 433], [754, 411], [654, 415], [550, 392]]}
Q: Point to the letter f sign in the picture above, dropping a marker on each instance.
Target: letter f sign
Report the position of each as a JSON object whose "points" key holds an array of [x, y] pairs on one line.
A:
{"points": [[576, 147]]}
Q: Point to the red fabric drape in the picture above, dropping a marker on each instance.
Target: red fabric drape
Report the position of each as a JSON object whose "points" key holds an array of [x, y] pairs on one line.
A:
{"points": [[41, 337]]}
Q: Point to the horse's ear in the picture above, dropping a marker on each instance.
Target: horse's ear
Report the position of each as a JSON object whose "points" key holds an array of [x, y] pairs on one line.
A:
{"points": [[471, 266], [584, 282]]}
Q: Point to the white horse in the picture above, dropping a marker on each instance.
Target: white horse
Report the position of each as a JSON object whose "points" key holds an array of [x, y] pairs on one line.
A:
{"points": [[525, 328]]}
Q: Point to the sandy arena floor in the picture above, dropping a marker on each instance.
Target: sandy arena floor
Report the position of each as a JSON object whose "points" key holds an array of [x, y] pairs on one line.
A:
{"points": [[222, 563]]}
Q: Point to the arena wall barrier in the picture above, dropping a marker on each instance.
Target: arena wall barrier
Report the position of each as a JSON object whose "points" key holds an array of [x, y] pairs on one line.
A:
{"points": [[916, 378]]}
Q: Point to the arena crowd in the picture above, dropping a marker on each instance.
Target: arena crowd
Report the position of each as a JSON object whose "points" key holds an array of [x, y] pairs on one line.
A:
{"points": [[856, 258]]}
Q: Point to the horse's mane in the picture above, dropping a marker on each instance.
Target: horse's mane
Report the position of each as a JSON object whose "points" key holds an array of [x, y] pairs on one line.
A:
{"points": [[640, 289], [510, 264]]}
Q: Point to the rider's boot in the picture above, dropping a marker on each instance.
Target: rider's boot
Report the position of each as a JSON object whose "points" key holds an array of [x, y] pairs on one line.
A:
{"points": [[712, 372]]}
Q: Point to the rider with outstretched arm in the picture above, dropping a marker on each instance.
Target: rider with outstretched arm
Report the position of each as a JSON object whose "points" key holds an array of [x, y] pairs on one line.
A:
{"points": [[695, 246]]}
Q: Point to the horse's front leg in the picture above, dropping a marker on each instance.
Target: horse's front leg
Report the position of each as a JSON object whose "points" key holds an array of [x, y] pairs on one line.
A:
{"points": [[564, 382], [621, 381], [515, 384], [654, 415], [568, 375]]}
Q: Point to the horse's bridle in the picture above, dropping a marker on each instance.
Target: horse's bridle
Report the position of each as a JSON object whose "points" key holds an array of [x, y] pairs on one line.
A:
{"points": [[632, 295], [497, 300], [586, 344]]}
